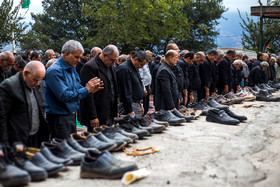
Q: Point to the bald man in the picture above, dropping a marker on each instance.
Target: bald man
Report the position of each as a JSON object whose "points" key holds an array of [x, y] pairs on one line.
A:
{"points": [[22, 107], [6, 61], [94, 51]]}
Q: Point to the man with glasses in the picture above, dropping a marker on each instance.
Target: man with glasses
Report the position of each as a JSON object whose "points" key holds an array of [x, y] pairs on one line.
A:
{"points": [[6, 61], [101, 107]]}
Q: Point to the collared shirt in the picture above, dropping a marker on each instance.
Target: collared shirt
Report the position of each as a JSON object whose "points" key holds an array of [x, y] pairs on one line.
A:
{"points": [[145, 75], [130, 85], [63, 90]]}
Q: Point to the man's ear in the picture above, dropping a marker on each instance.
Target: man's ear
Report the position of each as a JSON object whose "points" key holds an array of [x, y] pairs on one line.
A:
{"points": [[25, 73]]}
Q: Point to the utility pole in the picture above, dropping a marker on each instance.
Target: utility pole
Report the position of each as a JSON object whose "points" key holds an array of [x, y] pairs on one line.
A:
{"points": [[13, 41], [261, 27]]}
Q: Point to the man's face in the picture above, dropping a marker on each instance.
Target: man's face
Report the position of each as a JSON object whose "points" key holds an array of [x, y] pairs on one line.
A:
{"points": [[264, 68], [188, 60], [212, 58], [33, 80], [198, 60], [110, 60], [6, 64], [176, 48], [265, 57], [237, 66], [173, 60], [51, 55], [150, 55], [231, 57], [246, 60], [72, 59], [271, 62], [86, 58]]}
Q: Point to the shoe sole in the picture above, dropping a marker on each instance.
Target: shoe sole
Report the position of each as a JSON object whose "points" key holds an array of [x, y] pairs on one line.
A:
{"points": [[96, 175], [18, 181], [159, 129], [120, 147], [38, 177], [210, 120], [55, 171]]}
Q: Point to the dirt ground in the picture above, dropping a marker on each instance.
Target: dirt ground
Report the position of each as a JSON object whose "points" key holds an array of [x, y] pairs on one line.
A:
{"points": [[201, 153]]}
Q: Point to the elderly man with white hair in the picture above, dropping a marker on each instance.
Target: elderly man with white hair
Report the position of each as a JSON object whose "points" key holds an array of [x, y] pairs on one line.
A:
{"points": [[258, 74], [63, 90], [271, 71], [236, 75]]}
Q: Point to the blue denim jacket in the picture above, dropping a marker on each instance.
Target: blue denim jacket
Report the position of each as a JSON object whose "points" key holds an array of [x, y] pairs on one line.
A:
{"points": [[63, 90]]}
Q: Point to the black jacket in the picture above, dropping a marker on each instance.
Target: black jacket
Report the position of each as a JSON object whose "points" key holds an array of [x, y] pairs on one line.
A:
{"points": [[10, 72], [178, 72], [185, 70], [257, 76], [256, 63], [236, 78], [80, 66], [154, 75], [194, 78], [224, 73], [16, 111], [206, 73], [272, 71], [130, 85], [99, 104], [166, 91]]}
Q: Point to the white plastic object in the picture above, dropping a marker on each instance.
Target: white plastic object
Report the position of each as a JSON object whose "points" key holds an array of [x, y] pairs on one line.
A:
{"points": [[131, 176]]}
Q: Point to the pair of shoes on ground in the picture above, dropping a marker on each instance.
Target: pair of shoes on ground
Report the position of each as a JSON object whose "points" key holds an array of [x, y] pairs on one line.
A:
{"points": [[172, 117], [226, 117]]}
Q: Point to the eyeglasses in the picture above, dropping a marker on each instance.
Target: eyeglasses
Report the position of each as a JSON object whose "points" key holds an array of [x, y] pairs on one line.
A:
{"points": [[112, 60]]}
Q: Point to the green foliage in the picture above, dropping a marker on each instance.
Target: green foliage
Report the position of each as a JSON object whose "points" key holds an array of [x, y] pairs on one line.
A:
{"points": [[61, 21], [251, 33], [203, 16], [137, 24], [10, 20]]}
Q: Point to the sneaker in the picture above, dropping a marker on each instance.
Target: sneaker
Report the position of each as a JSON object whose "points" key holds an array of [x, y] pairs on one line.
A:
{"points": [[11, 175]]}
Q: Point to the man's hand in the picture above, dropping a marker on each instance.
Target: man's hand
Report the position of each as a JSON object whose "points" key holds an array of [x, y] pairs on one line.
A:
{"points": [[94, 123], [238, 88], [145, 93], [131, 113], [142, 109], [185, 96], [94, 85]]}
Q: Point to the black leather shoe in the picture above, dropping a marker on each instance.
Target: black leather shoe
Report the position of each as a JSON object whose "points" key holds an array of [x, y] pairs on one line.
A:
{"points": [[201, 105], [137, 123], [123, 165], [112, 133], [233, 115], [63, 150], [18, 157], [90, 141], [74, 144], [97, 166], [274, 85], [214, 104], [11, 175], [51, 157], [265, 87], [157, 128], [39, 160], [123, 132], [100, 136], [264, 95], [166, 115], [126, 124], [179, 115], [220, 116]]}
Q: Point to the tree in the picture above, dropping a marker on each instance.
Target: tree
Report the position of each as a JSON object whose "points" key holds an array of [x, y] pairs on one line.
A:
{"points": [[251, 32], [138, 24], [203, 16], [60, 21], [10, 21]]}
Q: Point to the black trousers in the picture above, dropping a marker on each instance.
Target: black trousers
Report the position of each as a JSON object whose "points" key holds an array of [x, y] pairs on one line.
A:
{"points": [[146, 101], [61, 126]]}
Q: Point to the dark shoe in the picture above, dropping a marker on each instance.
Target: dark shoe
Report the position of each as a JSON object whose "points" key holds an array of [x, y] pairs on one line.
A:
{"points": [[100, 136], [214, 104], [63, 150], [126, 124], [74, 144], [156, 127], [137, 123], [92, 142], [11, 175], [166, 115], [151, 118], [264, 95], [274, 85], [112, 133], [265, 87], [51, 157], [124, 165], [127, 134], [97, 166], [220, 116], [233, 115], [179, 115], [39, 160], [18, 157], [202, 106]]}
